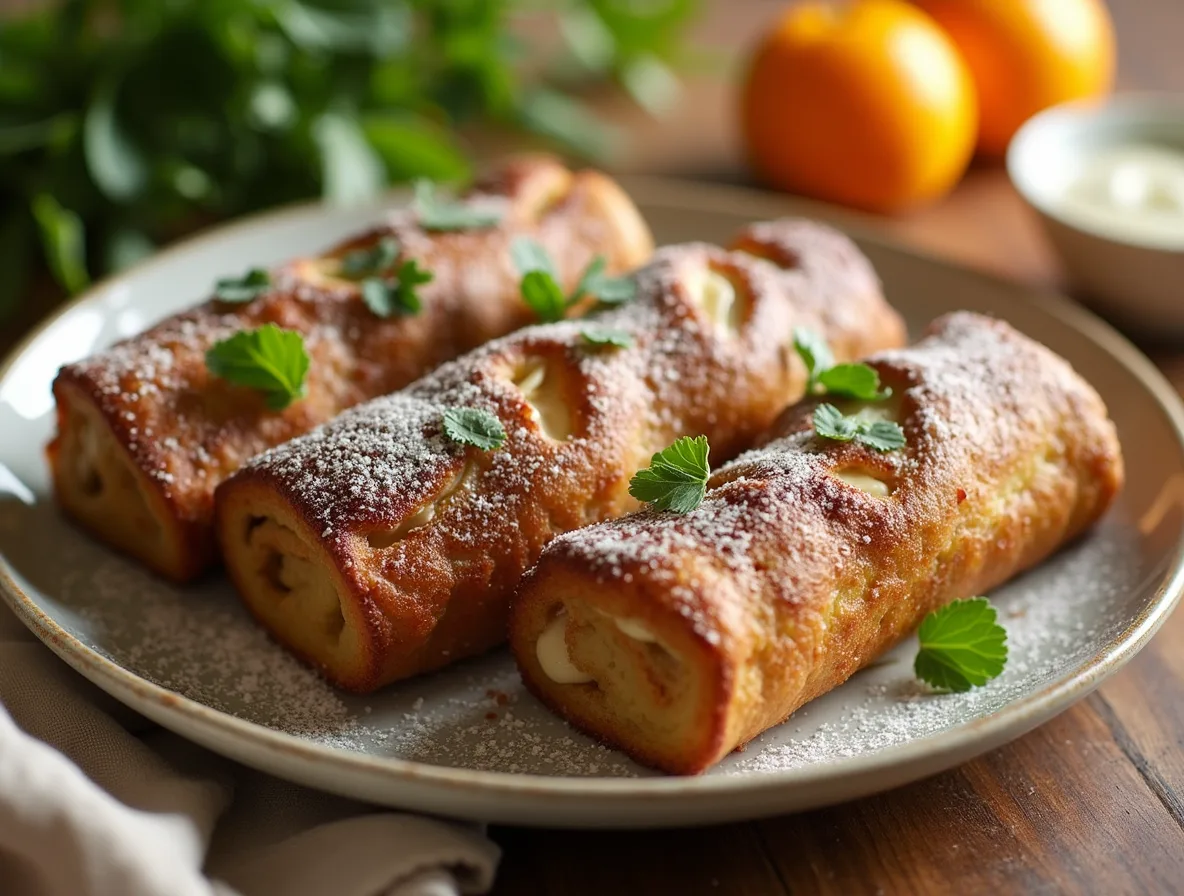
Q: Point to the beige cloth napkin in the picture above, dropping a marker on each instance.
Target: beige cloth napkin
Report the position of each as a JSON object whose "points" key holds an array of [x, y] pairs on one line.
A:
{"points": [[96, 800]]}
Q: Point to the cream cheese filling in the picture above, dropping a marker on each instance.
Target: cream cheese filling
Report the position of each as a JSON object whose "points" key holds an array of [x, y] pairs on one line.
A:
{"points": [[882, 411], [548, 405], [532, 379], [864, 482], [384, 538], [635, 630], [553, 657], [715, 294], [323, 271]]}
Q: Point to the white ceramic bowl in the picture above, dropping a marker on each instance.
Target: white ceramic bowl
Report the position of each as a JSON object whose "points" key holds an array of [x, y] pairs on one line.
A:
{"points": [[1138, 285]]}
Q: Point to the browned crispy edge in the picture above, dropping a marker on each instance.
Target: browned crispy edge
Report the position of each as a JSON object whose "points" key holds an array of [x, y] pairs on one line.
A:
{"points": [[855, 321], [187, 537], [184, 549], [713, 675], [633, 594]]}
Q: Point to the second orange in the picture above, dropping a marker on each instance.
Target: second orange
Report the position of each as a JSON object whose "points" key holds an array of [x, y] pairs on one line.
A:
{"points": [[1027, 55]]}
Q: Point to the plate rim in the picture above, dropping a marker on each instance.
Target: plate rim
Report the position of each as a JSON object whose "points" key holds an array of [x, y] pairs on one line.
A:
{"points": [[1019, 715]]}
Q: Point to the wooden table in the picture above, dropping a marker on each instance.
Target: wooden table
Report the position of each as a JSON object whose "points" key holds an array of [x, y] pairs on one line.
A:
{"points": [[1092, 802]]}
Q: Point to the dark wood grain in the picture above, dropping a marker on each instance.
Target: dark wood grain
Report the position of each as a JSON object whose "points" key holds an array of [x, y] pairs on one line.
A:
{"points": [[1059, 811], [1092, 802]]}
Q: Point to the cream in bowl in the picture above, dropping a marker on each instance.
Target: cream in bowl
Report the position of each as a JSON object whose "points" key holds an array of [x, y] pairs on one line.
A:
{"points": [[1108, 184], [1133, 193]]}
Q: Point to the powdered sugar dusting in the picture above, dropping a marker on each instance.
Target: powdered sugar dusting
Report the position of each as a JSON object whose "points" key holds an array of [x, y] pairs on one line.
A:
{"points": [[1055, 617], [365, 464], [187, 430], [200, 644], [238, 670], [364, 461]]}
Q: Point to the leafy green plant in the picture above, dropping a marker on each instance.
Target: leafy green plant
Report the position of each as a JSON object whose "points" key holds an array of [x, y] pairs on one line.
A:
{"points": [[125, 123]]}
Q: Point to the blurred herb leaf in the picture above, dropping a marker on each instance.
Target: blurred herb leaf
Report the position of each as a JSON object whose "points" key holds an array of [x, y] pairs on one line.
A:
{"points": [[543, 295], [125, 247], [113, 163], [651, 82], [246, 288], [590, 41], [411, 147], [63, 240], [529, 255], [379, 29], [399, 294], [435, 213], [370, 261], [569, 122], [351, 170], [601, 337], [607, 290], [124, 125], [540, 281]]}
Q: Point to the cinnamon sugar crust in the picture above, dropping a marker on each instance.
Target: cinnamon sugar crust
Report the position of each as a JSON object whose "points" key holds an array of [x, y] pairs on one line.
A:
{"points": [[145, 433], [421, 542], [811, 557]]}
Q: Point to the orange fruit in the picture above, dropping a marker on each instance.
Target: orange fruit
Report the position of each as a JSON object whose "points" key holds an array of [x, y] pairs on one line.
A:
{"points": [[1027, 55], [866, 103]]}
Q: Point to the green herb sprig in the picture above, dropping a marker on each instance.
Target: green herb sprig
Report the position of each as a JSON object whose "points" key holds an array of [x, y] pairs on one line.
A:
{"points": [[607, 290], [243, 289], [676, 478], [371, 260], [857, 381], [962, 646], [879, 435], [398, 294], [473, 426], [270, 359], [387, 290], [540, 287], [435, 213], [600, 337]]}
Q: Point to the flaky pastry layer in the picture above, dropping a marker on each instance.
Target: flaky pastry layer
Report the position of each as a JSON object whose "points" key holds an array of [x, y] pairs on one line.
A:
{"points": [[687, 635], [145, 433], [376, 549]]}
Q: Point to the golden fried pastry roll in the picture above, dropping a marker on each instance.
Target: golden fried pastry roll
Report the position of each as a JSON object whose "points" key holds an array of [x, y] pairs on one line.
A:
{"points": [[680, 637], [145, 432], [377, 547]]}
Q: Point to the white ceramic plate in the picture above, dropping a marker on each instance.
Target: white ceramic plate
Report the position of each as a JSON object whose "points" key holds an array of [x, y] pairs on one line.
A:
{"points": [[469, 741]]}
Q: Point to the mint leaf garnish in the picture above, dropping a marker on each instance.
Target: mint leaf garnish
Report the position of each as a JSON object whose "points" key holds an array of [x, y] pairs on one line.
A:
{"points": [[880, 435], [841, 380], [370, 261], [676, 478], [435, 213], [269, 359], [962, 646], [473, 426], [243, 289], [397, 295]]}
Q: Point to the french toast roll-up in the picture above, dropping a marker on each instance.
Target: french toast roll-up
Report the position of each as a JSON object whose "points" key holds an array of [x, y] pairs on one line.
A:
{"points": [[678, 637], [378, 547], [145, 432]]}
